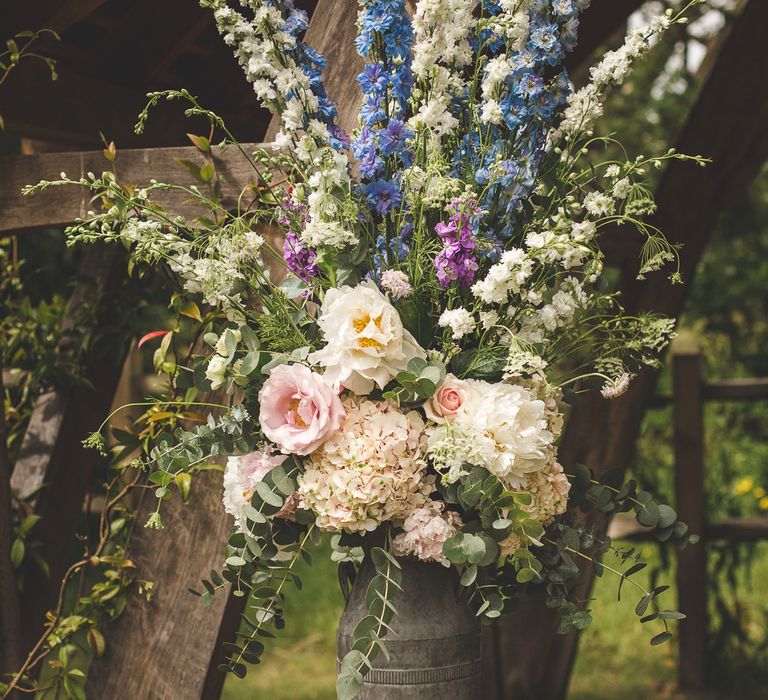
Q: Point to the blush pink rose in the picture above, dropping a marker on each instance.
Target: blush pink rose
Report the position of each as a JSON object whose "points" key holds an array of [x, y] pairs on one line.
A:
{"points": [[298, 409], [448, 400]]}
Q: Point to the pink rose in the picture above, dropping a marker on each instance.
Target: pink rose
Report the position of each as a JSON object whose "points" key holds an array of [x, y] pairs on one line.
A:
{"points": [[299, 410], [448, 399]]}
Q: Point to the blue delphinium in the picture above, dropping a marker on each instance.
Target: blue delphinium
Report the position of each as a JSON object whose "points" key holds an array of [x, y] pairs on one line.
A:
{"points": [[383, 196], [311, 62], [532, 94], [381, 147]]}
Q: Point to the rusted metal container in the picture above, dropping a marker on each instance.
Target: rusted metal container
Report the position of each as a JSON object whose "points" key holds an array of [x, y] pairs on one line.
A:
{"points": [[435, 654]]}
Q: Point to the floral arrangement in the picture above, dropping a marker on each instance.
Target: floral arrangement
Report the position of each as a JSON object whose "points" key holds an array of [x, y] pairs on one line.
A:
{"points": [[396, 368]]}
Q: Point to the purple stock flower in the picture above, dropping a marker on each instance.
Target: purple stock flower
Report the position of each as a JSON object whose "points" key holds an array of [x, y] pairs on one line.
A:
{"points": [[456, 261], [300, 259]]}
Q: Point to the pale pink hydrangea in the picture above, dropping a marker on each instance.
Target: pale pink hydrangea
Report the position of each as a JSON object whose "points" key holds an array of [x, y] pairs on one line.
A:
{"points": [[372, 471], [549, 489], [240, 478], [425, 531], [396, 283]]}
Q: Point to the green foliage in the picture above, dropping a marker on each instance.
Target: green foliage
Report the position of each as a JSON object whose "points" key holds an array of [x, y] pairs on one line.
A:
{"points": [[417, 383], [252, 568], [19, 48], [369, 633]]}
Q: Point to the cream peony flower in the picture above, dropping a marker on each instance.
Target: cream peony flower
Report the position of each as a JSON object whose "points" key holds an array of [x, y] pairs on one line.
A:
{"points": [[502, 427], [366, 343]]}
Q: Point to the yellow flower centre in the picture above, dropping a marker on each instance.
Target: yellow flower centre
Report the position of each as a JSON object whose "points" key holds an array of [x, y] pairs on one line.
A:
{"points": [[361, 324], [293, 407]]}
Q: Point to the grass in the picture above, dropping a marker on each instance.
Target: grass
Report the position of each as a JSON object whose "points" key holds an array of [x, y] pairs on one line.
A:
{"points": [[615, 659]]}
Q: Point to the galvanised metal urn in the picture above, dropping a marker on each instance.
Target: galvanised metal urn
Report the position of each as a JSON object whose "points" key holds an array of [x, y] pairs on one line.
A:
{"points": [[435, 651]]}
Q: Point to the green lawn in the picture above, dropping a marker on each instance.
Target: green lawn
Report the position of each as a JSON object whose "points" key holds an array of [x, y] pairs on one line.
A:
{"points": [[614, 661]]}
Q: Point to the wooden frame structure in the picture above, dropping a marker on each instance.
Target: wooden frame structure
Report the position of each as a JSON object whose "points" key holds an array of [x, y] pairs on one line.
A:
{"points": [[690, 392], [145, 636]]}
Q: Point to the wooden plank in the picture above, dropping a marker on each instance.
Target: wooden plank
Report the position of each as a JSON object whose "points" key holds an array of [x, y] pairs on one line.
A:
{"points": [[739, 529], [625, 527], [727, 123], [735, 390], [147, 637], [35, 453], [52, 463], [691, 575], [60, 206]]}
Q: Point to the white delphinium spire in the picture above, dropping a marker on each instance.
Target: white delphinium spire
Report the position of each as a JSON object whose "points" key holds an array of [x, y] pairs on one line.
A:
{"points": [[441, 50]]}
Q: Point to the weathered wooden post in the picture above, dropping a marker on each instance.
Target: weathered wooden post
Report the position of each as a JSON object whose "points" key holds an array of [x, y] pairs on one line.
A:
{"points": [[149, 637], [691, 508], [728, 125]]}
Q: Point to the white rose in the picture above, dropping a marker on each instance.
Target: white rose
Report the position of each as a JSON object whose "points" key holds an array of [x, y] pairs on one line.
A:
{"points": [[366, 343]]}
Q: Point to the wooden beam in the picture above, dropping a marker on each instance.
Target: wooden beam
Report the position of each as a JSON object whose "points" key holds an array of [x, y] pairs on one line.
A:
{"points": [[739, 529], [60, 206], [728, 124], [331, 32], [148, 636], [75, 108], [175, 24], [691, 504], [159, 61], [625, 527], [58, 15], [735, 390]]}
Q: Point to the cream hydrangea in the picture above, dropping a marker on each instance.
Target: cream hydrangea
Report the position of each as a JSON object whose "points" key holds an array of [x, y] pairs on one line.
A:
{"points": [[366, 344], [502, 427], [549, 489], [425, 531], [372, 471]]}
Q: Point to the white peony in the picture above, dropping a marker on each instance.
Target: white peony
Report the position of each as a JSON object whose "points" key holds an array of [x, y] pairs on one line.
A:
{"points": [[366, 343], [501, 427]]}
